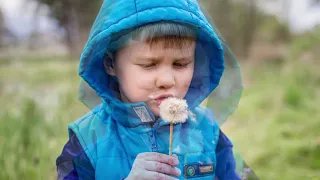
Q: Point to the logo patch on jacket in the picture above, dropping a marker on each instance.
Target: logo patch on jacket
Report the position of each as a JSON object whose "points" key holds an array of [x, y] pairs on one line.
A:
{"points": [[143, 114], [198, 170]]}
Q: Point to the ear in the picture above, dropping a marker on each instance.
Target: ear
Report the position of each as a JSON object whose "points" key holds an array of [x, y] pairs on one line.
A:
{"points": [[109, 68]]}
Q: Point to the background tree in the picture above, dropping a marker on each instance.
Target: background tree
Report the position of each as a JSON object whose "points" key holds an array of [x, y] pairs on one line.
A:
{"points": [[2, 27], [75, 17], [236, 20]]}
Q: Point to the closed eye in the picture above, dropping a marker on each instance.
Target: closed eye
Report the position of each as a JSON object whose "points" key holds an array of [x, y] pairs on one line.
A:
{"points": [[147, 66], [181, 65]]}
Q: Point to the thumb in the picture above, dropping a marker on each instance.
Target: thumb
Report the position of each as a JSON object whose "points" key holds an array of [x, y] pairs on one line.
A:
{"points": [[174, 155]]}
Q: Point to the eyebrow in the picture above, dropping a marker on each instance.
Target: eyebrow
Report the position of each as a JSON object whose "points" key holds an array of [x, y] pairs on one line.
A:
{"points": [[153, 59], [157, 59]]}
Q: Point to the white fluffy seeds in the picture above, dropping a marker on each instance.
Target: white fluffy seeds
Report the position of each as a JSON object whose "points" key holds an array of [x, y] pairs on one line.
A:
{"points": [[174, 110]]}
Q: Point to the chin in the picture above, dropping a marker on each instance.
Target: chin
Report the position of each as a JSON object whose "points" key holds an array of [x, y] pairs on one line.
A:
{"points": [[156, 113], [155, 110]]}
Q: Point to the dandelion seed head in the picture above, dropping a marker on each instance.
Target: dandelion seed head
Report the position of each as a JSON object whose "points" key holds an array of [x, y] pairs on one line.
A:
{"points": [[174, 110]]}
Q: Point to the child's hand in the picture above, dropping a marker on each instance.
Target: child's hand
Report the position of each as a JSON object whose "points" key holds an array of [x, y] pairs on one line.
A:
{"points": [[154, 166]]}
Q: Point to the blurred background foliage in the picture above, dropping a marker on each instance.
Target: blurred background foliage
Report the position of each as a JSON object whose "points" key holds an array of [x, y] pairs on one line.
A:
{"points": [[275, 129]]}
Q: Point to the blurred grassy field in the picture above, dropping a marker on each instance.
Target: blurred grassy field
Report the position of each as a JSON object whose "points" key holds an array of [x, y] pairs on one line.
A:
{"points": [[276, 127], [38, 99]]}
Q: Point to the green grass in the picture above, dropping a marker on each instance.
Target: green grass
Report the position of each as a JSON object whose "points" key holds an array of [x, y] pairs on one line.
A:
{"points": [[38, 99], [275, 128]]}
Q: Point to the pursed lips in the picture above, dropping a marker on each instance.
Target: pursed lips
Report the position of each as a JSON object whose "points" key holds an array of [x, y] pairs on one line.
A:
{"points": [[160, 98]]}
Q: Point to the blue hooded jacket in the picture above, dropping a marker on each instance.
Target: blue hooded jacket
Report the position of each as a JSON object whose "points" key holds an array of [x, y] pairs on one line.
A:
{"points": [[114, 132]]}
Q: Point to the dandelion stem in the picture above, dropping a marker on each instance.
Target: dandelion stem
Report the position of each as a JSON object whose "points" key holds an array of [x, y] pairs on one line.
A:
{"points": [[171, 134]]}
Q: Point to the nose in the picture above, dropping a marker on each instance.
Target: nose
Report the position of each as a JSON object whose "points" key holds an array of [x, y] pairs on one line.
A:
{"points": [[165, 80]]}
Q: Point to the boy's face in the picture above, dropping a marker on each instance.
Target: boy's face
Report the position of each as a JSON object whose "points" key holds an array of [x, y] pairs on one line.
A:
{"points": [[151, 73]]}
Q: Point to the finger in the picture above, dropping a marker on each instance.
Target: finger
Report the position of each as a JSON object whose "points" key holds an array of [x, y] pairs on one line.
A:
{"points": [[162, 168], [156, 176], [163, 158], [174, 155]]}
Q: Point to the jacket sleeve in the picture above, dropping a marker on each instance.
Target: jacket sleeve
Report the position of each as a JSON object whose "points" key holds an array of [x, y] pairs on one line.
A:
{"points": [[226, 164], [73, 163]]}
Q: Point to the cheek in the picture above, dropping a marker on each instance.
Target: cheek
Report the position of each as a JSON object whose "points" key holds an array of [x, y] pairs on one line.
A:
{"points": [[133, 78], [186, 78], [144, 81], [137, 85]]}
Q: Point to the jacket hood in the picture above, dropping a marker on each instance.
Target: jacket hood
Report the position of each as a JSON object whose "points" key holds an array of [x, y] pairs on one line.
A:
{"points": [[216, 76]]}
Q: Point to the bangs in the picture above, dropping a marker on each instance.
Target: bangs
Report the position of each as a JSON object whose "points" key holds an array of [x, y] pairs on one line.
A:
{"points": [[170, 34], [175, 42]]}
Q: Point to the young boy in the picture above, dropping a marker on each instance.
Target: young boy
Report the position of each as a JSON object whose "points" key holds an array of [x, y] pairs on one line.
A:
{"points": [[139, 53]]}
